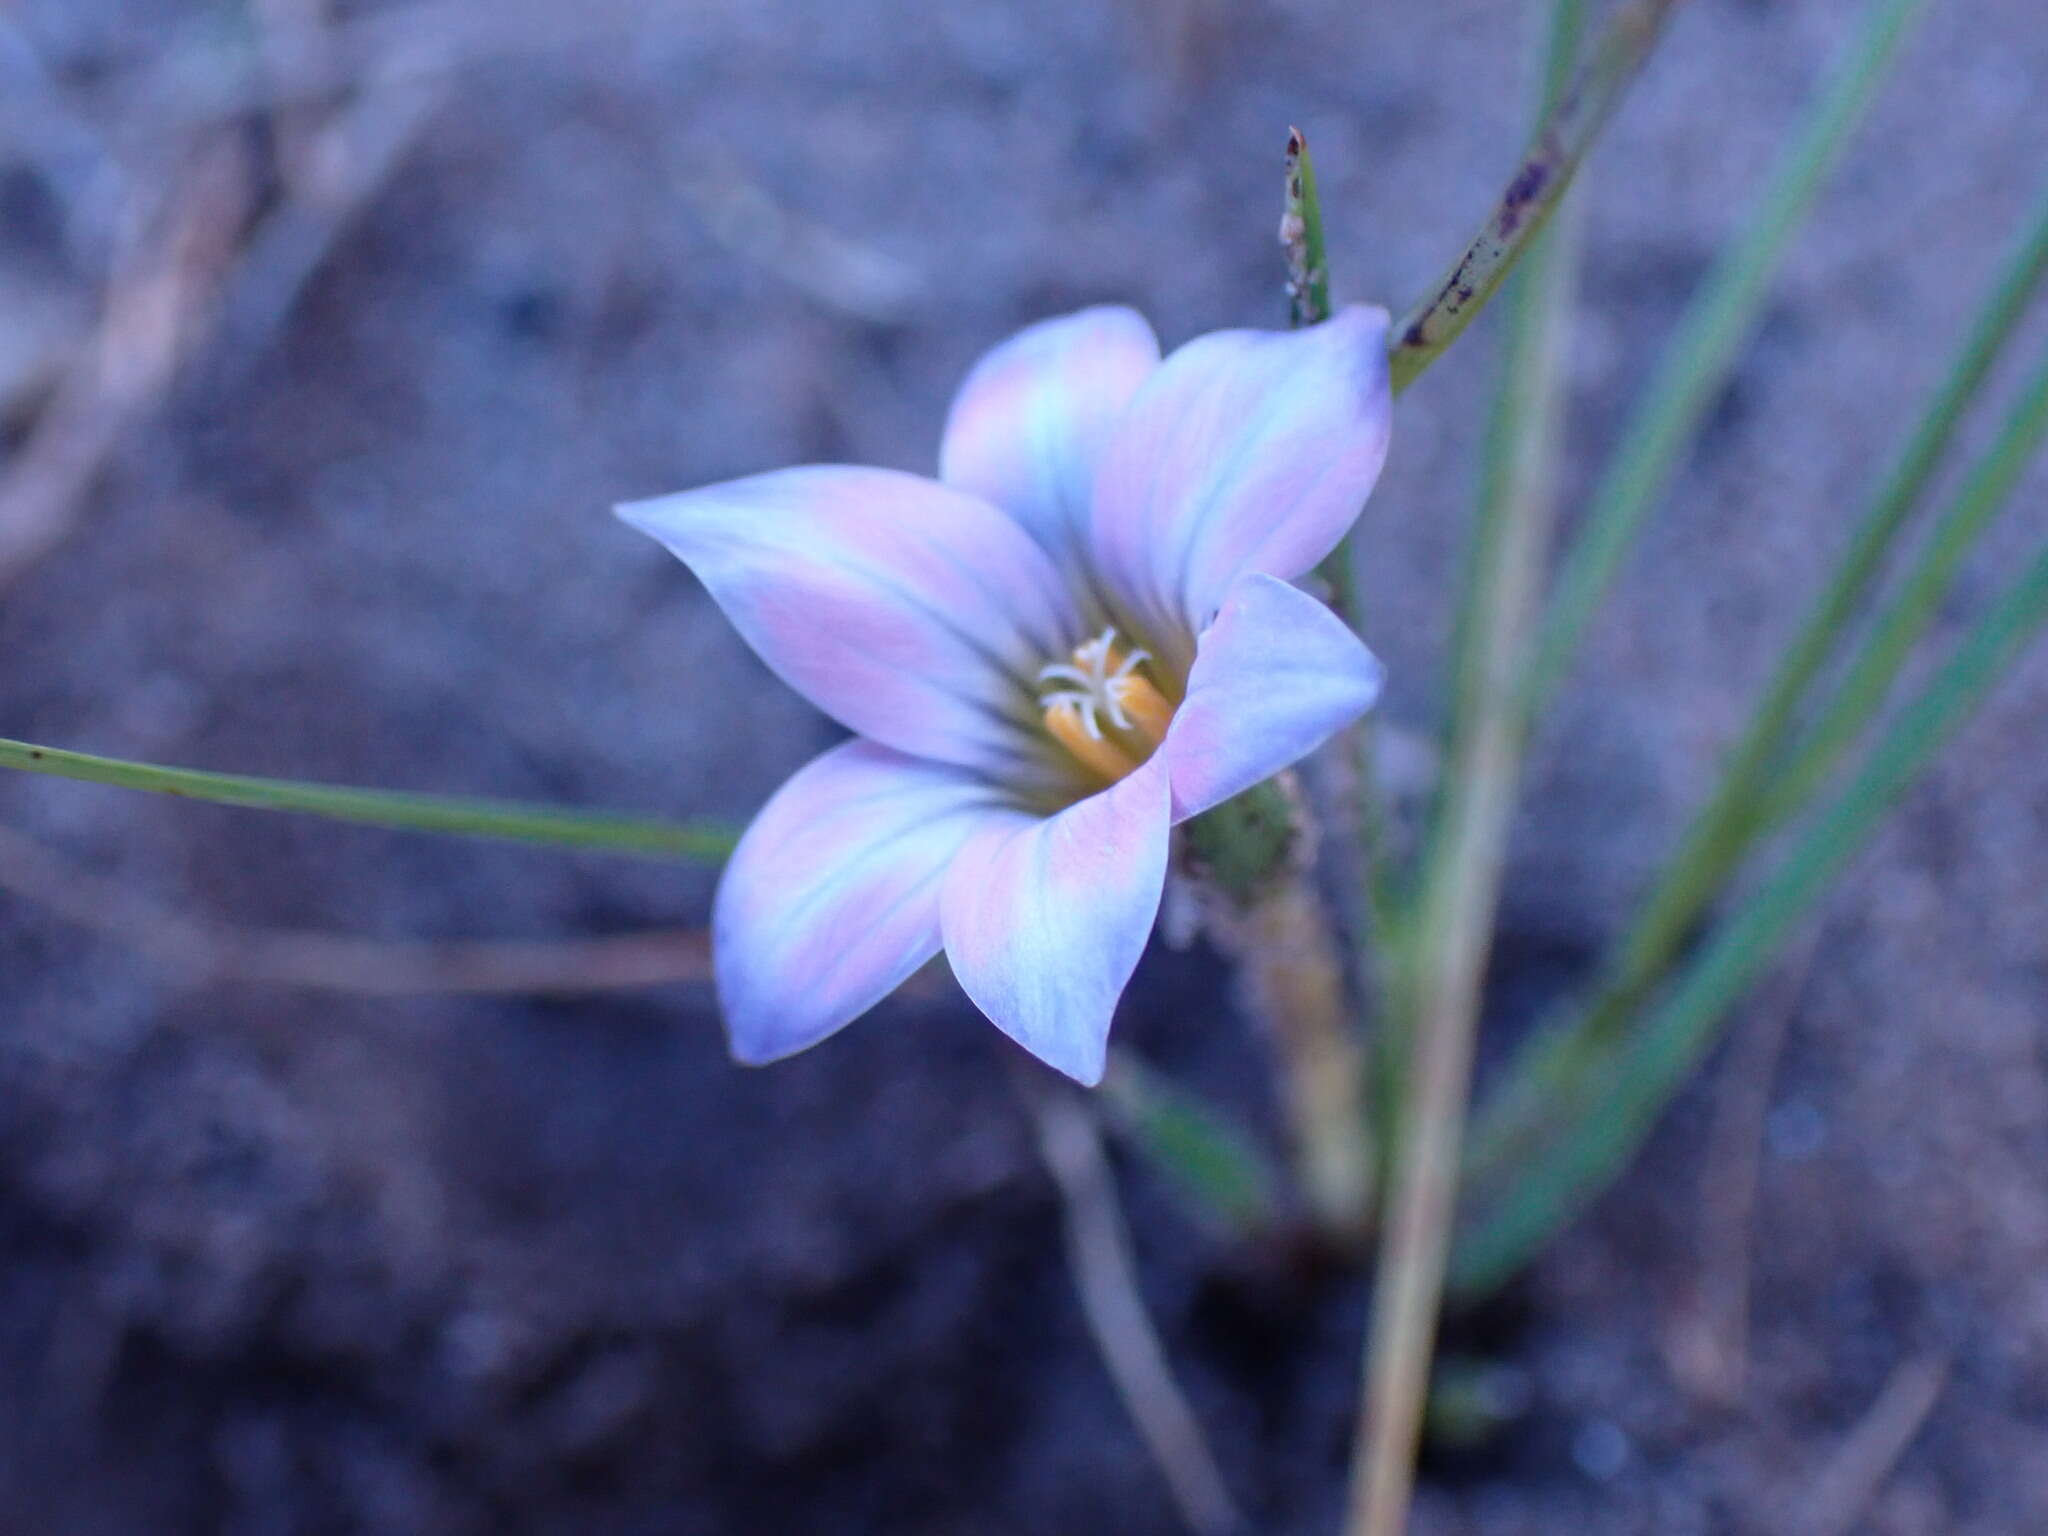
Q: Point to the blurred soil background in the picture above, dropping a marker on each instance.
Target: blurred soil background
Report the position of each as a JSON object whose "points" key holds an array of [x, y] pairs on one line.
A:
{"points": [[330, 332]]}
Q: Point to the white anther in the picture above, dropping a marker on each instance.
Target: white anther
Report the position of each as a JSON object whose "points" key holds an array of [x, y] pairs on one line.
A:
{"points": [[1081, 704], [1092, 691]]}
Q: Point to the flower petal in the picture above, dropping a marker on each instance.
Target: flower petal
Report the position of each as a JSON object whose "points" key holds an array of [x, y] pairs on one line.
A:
{"points": [[1028, 427], [1044, 920], [912, 613], [1275, 675], [1246, 451], [832, 898]]}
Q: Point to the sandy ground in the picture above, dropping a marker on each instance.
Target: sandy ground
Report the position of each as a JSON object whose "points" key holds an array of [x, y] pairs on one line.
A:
{"points": [[279, 1260]]}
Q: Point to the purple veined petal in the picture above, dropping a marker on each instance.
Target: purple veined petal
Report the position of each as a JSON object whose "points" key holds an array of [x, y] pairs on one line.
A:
{"points": [[1274, 677], [914, 614], [1246, 451], [831, 899], [1044, 920], [1027, 428]]}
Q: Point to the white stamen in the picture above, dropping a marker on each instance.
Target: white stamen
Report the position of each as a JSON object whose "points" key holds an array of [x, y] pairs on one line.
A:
{"points": [[1092, 692], [1082, 704]]}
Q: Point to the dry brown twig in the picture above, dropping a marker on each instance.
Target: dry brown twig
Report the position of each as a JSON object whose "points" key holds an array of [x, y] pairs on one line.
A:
{"points": [[1105, 1275], [43, 130], [1707, 1345], [346, 161], [210, 951], [423, 42], [1841, 1494], [164, 282], [744, 217], [346, 101], [192, 256], [333, 159]]}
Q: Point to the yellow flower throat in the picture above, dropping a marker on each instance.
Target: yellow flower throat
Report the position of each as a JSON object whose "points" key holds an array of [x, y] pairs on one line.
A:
{"points": [[1102, 709]]}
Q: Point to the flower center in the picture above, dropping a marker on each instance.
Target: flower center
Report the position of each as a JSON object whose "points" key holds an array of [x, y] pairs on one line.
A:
{"points": [[1102, 709]]}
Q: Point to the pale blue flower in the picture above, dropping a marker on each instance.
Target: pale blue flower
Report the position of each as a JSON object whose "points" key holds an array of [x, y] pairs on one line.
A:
{"points": [[1079, 635]]}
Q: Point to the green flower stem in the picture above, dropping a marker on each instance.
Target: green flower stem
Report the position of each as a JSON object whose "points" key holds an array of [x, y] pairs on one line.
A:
{"points": [[696, 841], [1697, 362], [1466, 853], [1727, 827], [1254, 854], [1551, 1189], [1291, 974]]}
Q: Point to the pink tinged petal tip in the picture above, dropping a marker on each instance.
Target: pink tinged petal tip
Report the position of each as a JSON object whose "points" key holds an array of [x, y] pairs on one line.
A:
{"points": [[831, 899], [1044, 920], [910, 612], [1274, 677], [1246, 451], [1028, 426]]}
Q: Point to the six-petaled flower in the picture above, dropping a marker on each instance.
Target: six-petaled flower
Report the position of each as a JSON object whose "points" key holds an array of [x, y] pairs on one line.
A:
{"points": [[1082, 633]]}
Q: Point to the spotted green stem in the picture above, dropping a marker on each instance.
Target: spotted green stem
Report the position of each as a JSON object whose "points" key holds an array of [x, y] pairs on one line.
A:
{"points": [[1567, 131]]}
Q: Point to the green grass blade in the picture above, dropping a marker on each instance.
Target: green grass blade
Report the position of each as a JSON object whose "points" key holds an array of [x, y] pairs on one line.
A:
{"points": [[1699, 358], [2018, 281], [1869, 682], [696, 841], [1568, 1174], [1726, 828], [1301, 231], [1213, 1162]]}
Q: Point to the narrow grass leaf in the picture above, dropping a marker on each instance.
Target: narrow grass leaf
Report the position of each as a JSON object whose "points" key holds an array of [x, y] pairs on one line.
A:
{"points": [[1697, 362], [1729, 825], [1211, 1161], [1556, 1185], [1869, 682], [703, 842]]}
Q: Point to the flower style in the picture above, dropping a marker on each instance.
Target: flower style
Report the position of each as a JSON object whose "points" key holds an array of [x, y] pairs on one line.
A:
{"points": [[1079, 635]]}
